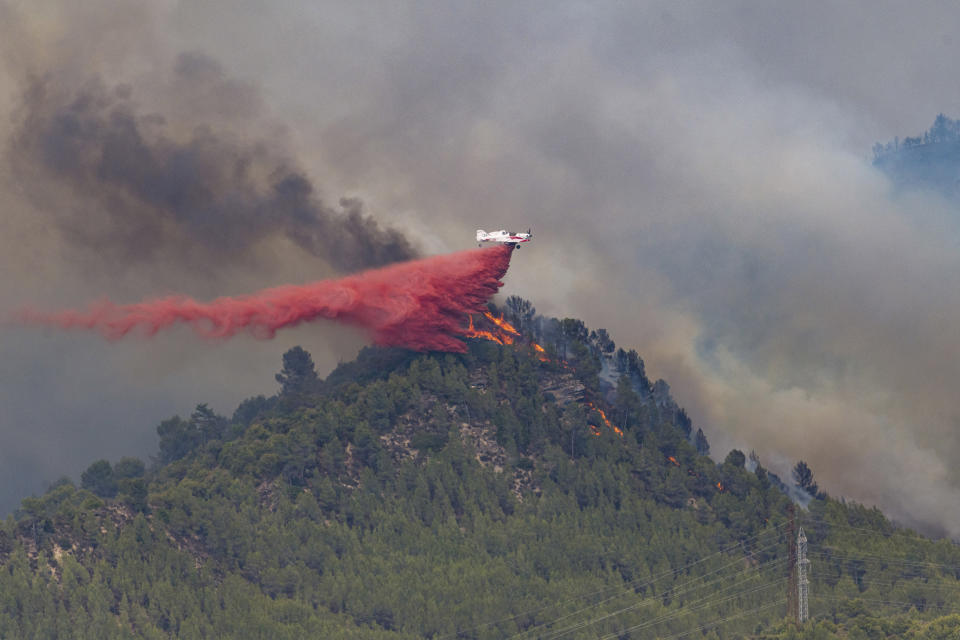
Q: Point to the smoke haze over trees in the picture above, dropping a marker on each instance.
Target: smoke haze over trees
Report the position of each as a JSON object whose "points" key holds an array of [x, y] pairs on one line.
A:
{"points": [[930, 161], [699, 173]]}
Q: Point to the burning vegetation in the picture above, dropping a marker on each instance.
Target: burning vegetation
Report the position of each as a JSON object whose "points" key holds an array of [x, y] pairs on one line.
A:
{"points": [[502, 331], [499, 330]]}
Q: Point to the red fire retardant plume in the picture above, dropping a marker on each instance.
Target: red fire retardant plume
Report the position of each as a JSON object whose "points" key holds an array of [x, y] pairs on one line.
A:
{"points": [[421, 304]]}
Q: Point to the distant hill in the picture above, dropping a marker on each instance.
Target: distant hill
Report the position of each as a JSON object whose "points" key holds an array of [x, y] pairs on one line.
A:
{"points": [[928, 161], [538, 486]]}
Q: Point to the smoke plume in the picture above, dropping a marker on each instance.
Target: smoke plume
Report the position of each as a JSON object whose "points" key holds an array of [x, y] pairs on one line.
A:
{"points": [[144, 187], [421, 305]]}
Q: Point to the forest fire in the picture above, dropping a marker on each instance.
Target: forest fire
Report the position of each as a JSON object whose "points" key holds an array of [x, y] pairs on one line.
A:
{"points": [[606, 421], [499, 337], [505, 332], [541, 352], [502, 332], [500, 322]]}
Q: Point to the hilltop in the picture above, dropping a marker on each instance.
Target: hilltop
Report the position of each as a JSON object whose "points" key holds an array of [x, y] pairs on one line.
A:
{"points": [[538, 485], [927, 161]]}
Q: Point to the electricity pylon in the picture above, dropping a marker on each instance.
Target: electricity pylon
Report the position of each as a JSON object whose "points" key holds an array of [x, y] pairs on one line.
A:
{"points": [[803, 582]]}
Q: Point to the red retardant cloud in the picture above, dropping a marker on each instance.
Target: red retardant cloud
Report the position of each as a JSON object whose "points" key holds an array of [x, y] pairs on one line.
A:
{"points": [[421, 304]]}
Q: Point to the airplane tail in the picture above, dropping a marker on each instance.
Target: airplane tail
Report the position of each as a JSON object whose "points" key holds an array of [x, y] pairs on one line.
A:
{"points": [[481, 234]]}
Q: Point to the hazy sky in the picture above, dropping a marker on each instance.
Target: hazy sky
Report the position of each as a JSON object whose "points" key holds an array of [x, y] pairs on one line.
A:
{"points": [[697, 175]]}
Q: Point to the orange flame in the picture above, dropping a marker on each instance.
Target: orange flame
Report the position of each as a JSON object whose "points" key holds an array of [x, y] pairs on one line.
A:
{"points": [[500, 322], [720, 485], [606, 421], [673, 460], [502, 338], [505, 334], [541, 352]]}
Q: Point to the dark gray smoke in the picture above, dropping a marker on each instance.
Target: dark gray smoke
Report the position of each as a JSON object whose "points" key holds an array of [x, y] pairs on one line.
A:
{"points": [[141, 188]]}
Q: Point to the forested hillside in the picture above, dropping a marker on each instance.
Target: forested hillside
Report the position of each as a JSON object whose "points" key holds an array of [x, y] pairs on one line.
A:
{"points": [[538, 486], [928, 161]]}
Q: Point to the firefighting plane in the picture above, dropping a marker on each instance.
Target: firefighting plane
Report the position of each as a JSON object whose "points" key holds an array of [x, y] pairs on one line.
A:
{"points": [[512, 240]]}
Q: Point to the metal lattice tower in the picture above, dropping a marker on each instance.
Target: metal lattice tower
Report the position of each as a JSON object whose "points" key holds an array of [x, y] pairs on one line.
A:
{"points": [[803, 583], [791, 565]]}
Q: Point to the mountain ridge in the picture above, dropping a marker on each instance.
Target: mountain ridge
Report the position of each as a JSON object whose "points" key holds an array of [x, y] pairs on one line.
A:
{"points": [[481, 495]]}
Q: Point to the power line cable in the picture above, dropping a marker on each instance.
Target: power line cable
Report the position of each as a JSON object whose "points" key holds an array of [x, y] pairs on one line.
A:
{"points": [[668, 617], [886, 602], [906, 533], [912, 584], [632, 585], [718, 622], [873, 557], [673, 593], [704, 603], [631, 590]]}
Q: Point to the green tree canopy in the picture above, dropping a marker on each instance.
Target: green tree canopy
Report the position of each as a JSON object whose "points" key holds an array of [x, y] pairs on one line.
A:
{"points": [[99, 478], [298, 374], [803, 477]]}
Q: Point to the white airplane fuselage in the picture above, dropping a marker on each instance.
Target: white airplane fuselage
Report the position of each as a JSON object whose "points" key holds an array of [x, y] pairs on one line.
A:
{"points": [[513, 240]]}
